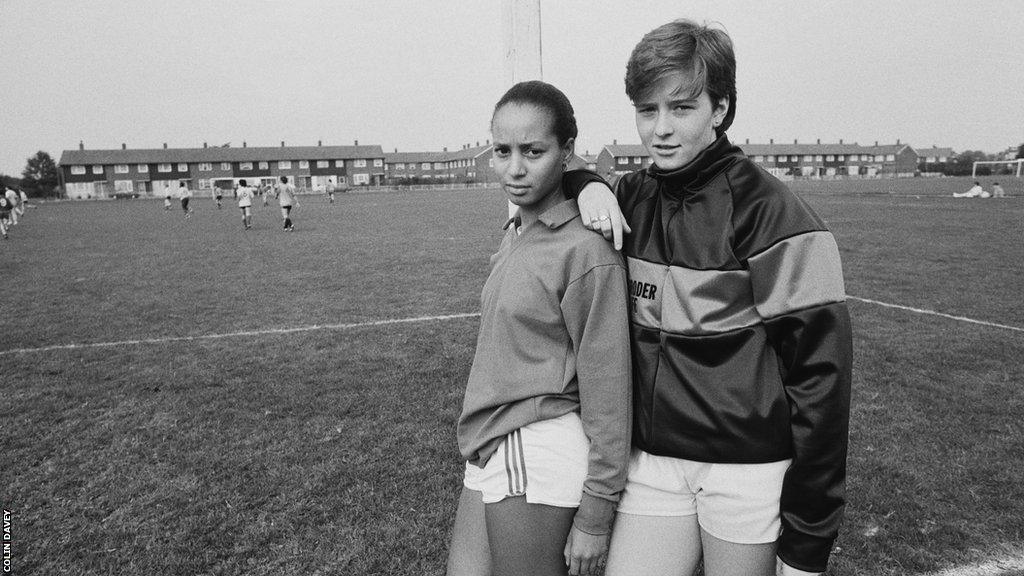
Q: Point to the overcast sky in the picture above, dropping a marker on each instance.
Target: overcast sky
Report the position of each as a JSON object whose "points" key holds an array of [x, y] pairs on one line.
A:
{"points": [[422, 75]]}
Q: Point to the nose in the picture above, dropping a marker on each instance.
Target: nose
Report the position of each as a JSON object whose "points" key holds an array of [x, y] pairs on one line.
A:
{"points": [[662, 126], [517, 165]]}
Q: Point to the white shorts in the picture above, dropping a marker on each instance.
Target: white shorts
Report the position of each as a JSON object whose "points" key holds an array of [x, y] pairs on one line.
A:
{"points": [[737, 503], [546, 461]]}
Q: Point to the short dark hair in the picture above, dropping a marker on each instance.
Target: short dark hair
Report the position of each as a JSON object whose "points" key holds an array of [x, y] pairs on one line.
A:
{"points": [[241, 182], [684, 46], [284, 179], [548, 98]]}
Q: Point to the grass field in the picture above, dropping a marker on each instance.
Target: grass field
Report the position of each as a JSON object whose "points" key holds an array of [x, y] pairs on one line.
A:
{"points": [[332, 450]]}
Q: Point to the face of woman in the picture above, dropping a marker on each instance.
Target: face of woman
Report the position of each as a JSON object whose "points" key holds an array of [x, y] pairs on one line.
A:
{"points": [[675, 126], [527, 156]]}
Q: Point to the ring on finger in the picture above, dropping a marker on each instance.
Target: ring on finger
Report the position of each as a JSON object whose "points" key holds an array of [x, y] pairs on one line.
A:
{"points": [[603, 217]]}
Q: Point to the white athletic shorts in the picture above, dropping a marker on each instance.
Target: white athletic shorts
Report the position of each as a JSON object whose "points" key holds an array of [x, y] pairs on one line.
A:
{"points": [[737, 503], [546, 461]]}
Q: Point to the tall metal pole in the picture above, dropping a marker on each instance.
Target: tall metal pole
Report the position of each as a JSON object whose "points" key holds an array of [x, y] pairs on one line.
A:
{"points": [[521, 27]]}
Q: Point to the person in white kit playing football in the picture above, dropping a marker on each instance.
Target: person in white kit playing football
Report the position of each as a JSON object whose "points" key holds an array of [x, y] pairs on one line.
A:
{"points": [[244, 196], [286, 198]]}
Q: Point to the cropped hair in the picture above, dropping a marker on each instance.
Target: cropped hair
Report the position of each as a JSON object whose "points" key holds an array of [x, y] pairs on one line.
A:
{"points": [[241, 182], [684, 46], [548, 98], [284, 179]]}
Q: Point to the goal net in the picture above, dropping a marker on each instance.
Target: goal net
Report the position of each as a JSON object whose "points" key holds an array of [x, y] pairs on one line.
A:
{"points": [[1016, 167]]}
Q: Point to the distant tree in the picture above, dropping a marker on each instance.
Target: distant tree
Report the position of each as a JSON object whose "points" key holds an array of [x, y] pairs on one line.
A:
{"points": [[965, 163], [40, 177]]}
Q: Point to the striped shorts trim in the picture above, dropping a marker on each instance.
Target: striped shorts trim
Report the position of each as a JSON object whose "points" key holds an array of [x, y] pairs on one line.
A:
{"points": [[544, 461]]}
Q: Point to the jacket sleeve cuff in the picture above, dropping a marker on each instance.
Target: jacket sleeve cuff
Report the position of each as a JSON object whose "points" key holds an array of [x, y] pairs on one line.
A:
{"points": [[595, 515], [805, 552]]}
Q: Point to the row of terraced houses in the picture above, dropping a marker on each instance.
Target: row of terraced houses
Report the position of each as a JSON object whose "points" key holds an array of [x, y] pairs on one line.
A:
{"points": [[90, 173]]}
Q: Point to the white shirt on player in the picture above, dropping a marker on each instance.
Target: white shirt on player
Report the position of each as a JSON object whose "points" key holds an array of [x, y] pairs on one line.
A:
{"points": [[244, 196]]}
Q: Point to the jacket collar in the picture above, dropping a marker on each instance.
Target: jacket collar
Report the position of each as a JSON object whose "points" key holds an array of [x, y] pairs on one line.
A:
{"points": [[701, 169]]}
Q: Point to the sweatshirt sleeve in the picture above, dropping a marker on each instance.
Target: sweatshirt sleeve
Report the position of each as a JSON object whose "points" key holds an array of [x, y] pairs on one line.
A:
{"points": [[595, 310], [799, 293]]}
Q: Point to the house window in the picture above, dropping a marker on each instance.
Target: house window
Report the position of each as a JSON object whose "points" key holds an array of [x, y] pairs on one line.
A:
{"points": [[123, 185], [97, 169], [378, 162], [841, 158], [225, 166], [284, 165], [400, 166], [817, 157], [622, 160], [438, 166], [143, 167], [360, 178], [164, 168], [808, 157], [879, 157], [771, 158], [205, 166], [339, 163], [303, 164], [264, 165], [182, 167], [890, 157], [323, 163], [426, 165], [245, 166], [121, 168], [204, 184], [360, 163], [830, 158], [758, 158]]}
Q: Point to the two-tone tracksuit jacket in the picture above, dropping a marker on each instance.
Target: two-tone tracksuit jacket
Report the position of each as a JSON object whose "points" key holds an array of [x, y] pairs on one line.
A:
{"points": [[740, 334], [553, 333]]}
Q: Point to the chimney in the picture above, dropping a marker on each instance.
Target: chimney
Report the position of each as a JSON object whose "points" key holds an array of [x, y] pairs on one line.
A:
{"points": [[396, 150], [204, 144], [243, 144], [876, 142], [771, 140], [794, 141], [819, 140], [165, 145], [897, 141], [487, 142], [445, 148], [319, 142], [840, 140], [123, 146], [282, 143], [81, 145], [356, 143], [748, 140], [615, 142]]}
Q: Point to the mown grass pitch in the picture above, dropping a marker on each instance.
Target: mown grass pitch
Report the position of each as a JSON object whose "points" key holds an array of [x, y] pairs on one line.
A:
{"points": [[331, 451]]}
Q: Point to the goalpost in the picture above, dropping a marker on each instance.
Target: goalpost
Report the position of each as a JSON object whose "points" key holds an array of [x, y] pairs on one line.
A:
{"points": [[521, 33], [1008, 163]]}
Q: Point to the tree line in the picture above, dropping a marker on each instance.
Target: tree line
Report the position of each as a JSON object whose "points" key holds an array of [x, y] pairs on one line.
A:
{"points": [[39, 179]]}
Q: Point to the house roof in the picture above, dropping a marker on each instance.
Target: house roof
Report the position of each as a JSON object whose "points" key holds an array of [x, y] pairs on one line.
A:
{"points": [[618, 150], [800, 149], [218, 154], [444, 156], [934, 152]]}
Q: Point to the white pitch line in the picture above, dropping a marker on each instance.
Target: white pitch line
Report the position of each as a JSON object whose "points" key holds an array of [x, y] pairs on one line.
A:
{"points": [[934, 313], [243, 333]]}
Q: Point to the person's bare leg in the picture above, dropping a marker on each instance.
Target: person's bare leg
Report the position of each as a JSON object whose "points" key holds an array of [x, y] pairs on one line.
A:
{"points": [[723, 558], [527, 539], [647, 545], [469, 553]]}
